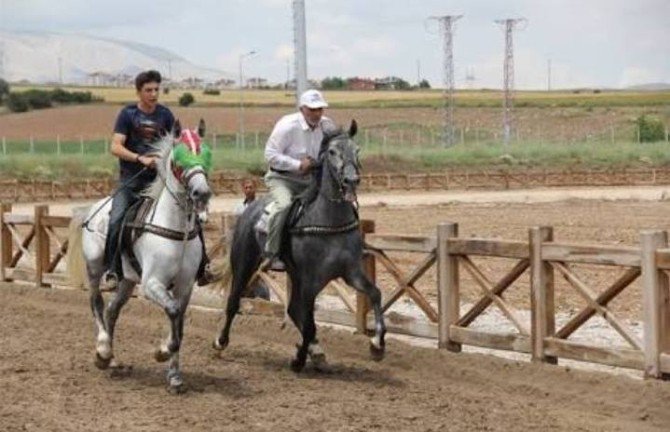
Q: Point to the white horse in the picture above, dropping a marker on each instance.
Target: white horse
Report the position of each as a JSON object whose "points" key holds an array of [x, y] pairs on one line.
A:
{"points": [[169, 250]]}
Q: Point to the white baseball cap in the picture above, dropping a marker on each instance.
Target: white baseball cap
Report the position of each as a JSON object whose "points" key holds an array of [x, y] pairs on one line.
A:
{"points": [[313, 99]]}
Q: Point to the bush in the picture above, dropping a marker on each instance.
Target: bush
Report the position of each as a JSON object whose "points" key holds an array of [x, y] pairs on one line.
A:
{"points": [[651, 129], [38, 99], [212, 91], [186, 99], [4, 90], [17, 102], [61, 96]]}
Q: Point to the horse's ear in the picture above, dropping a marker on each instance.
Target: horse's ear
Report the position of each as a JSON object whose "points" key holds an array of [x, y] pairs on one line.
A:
{"points": [[353, 128], [176, 129], [201, 128]]}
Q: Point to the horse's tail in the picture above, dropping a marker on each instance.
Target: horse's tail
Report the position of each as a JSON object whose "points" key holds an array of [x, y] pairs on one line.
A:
{"points": [[76, 266]]}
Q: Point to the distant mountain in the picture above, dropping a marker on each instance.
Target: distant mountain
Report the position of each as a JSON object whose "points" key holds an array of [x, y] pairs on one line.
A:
{"points": [[650, 87], [42, 57]]}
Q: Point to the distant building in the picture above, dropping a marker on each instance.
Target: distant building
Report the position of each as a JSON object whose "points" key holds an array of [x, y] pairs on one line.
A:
{"points": [[100, 79], [192, 83], [387, 83], [357, 83], [256, 82], [224, 83]]}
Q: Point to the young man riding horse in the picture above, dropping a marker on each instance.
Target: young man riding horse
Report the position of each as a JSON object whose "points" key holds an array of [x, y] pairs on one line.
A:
{"points": [[291, 152], [137, 126]]}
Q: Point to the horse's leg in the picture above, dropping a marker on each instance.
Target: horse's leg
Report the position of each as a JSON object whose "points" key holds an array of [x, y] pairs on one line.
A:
{"points": [[316, 354], [308, 328], [121, 297], [174, 377], [239, 284], [170, 348], [357, 279], [103, 346]]}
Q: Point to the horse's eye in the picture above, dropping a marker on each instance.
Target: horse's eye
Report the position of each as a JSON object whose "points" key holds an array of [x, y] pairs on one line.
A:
{"points": [[332, 152]]}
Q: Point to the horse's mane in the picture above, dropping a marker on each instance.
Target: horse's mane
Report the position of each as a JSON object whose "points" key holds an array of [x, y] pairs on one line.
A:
{"points": [[330, 132], [162, 149]]}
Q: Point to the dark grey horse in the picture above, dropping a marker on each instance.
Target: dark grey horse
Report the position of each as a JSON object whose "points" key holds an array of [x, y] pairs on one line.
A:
{"points": [[324, 244]]}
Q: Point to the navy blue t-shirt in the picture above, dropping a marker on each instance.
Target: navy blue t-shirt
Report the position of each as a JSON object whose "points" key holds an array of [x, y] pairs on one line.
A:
{"points": [[141, 129]]}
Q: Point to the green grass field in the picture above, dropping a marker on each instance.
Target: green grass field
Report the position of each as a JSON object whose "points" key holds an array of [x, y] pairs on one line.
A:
{"points": [[375, 158], [572, 135]]}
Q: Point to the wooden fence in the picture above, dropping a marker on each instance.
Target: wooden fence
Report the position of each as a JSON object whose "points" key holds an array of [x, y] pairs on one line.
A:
{"points": [[36, 190], [39, 249]]}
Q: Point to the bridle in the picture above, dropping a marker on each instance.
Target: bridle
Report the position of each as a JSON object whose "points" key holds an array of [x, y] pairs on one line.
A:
{"points": [[336, 176]]}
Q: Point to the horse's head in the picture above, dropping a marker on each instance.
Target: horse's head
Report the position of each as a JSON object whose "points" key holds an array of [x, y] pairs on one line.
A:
{"points": [[339, 155], [191, 161]]}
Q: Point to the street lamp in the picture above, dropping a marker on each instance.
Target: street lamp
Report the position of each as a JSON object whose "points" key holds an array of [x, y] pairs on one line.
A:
{"points": [[241, 85]]}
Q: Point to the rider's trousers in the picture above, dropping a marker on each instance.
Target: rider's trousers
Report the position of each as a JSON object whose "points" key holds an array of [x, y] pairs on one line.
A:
{"points": [[282, 188]]}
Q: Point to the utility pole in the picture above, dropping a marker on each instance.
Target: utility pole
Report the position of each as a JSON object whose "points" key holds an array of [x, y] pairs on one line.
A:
{"points": [[300, 48], [288, 74], [418, 72], [2, 58], [470, 77], [2, 40], [241, 140], [446, 25], [508, 75], [60, 70], [549, 75]]}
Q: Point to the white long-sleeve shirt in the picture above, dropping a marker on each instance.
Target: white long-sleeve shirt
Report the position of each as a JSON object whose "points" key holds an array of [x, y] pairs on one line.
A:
{"points": [[292, 140]]}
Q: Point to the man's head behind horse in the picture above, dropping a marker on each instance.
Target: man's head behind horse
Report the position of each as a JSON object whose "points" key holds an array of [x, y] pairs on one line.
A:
{"points": [[339, 154]]}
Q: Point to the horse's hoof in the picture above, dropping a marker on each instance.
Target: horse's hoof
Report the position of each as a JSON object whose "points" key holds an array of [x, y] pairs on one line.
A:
{"points": [[377, 353], [318, 360], [297, 365], [175, 383], [177, 389], [161, 356], [119, 370], [218, 345], [102, 363]]}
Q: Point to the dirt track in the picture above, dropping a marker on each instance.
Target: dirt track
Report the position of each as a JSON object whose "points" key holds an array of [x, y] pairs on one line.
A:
{"points": [[49, 381]]}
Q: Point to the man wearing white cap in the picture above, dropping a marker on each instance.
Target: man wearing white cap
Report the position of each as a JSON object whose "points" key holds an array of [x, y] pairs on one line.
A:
{"points": [[291, 152]]}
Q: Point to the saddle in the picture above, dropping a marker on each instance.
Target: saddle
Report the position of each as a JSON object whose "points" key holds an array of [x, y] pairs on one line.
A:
{"points": [[135, 224]]}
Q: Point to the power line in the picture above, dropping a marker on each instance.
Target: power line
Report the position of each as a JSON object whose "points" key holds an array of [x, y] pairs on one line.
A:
{"points": [[446, 25], [508, 75]]}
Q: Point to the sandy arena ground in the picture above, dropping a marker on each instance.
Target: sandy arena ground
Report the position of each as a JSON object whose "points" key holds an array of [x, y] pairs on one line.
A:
{"points": [[50, 383]]}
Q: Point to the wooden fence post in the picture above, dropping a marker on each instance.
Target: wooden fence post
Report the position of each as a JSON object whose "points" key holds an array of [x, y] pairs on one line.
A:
{"points": [[42, 251], [541, 293], [449, 307], [5, 241], [362, 301], [655, 308]]}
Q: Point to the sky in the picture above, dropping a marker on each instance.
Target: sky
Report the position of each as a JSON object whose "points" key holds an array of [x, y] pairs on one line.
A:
{"points": [[590, 43]]}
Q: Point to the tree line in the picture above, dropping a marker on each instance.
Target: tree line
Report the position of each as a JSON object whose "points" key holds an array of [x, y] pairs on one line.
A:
{"points": [[40, 99]]}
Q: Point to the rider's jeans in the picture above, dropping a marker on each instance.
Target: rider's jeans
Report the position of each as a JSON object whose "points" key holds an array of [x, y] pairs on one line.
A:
{"points": [[125, 197]]}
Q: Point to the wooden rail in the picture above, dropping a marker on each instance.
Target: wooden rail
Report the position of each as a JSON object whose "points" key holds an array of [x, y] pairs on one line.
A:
{"points": [[31, 250], [544, 259], [221, 183]]}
